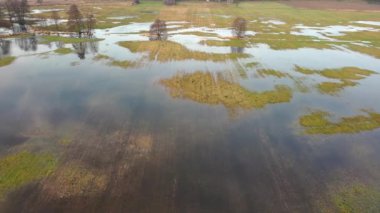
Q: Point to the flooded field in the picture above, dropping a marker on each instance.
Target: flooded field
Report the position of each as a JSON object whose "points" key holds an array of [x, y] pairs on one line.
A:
{"points": [[286, 119]]}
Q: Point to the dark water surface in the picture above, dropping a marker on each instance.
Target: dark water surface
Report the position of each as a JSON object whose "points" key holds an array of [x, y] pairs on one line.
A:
{"points": [[152, 137]]}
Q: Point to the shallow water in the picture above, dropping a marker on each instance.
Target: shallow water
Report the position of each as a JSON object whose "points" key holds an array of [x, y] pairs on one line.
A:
{"points": [[182, 133], [324, 32]]}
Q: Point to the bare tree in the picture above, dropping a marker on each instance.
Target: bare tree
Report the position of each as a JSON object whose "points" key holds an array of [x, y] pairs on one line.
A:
{"points": [[158, 30], [90, 24], [40, 1], [17, 11], [21, 12], [239, 26], [55, 17], [135, 1], [169, 2], [9, 6], [75, 22]]}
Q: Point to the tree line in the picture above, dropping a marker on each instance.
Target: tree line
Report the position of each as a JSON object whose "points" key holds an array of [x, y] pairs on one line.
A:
{"points": [[14, 15]]}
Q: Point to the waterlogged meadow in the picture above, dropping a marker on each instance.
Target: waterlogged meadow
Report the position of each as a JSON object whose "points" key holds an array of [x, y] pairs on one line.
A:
{"points": [[284, 119]]}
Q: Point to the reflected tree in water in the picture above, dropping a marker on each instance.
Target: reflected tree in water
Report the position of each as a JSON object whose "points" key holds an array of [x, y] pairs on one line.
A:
{"points": [[5, 46], [158, 30], [27, 44], [169, 2], [82, 48], [237, 50], [239, 26]]}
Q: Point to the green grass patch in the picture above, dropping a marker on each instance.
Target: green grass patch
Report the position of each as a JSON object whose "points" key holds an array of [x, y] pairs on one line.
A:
{"points": [[270, 72], [123, 64], [333, 88], [63, 51], [357, 198], [170, 51], [7, 60], [318, 123], [100, 57], [231, 42], [22, 168], [67, 40], [214, 90]]}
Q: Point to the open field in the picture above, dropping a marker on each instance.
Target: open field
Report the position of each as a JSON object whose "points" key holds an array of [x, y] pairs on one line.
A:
{"points": [[284, 119]]}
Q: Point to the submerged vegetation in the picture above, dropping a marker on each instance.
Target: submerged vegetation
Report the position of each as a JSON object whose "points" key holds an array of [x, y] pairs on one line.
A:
{"points": [[318, 123], [209, 89], [75, 180], [269, 72], [22, 168], [357, 198]]}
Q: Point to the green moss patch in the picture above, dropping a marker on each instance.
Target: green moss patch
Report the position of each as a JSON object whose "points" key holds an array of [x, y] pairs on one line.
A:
{"points": [[22, 168], [318, 123]]}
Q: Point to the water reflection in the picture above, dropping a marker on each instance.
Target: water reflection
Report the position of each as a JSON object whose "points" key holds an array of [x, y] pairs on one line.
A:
{"points": [[18, 46], [127, 143], [27, 44], [5, 46], [82, 48], [237, 50]]}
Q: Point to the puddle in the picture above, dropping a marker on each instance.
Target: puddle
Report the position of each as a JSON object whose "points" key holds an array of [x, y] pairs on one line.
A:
{"points": [[49, 22], [39, 11], [323, 32], [275, 22], [5, 31], [121, 17], [221, 32], [374, 23]]}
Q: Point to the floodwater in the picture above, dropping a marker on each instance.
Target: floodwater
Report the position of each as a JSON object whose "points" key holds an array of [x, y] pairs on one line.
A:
{"points": [[186, 129]]}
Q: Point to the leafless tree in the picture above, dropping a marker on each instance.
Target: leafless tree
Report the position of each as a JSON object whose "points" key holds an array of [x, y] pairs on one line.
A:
{"points": [[9, 5], [22, 9], [17, 11], [75, 22], [239, 26], [55, 17], [158, 30], [136, 1], [3, 23], [90, 24], [169, 2]]}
